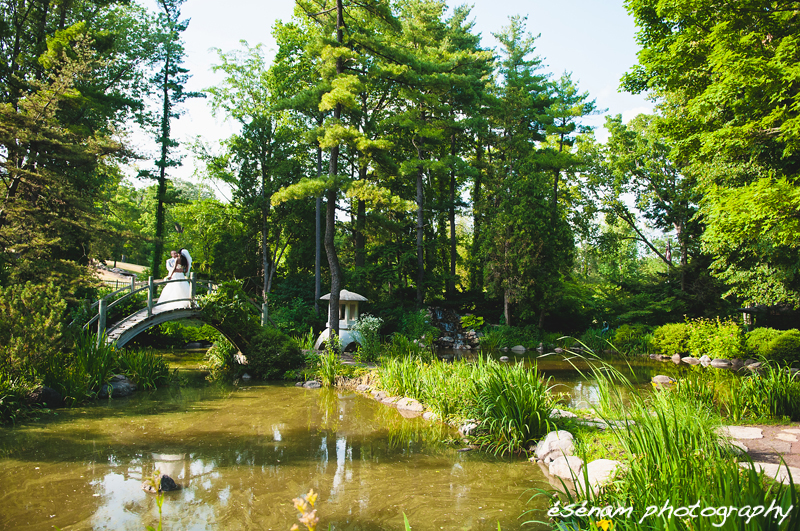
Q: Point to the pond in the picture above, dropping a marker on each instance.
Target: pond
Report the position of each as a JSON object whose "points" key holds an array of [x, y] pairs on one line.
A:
{"points": [[241, 453]]}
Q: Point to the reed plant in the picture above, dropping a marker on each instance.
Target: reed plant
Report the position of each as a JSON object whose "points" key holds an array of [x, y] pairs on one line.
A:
{"points": [[97, 358], [145, 367], [514, 404], [402, 346], [675, 458], [330, 364], [492, 340], [306, 341]]}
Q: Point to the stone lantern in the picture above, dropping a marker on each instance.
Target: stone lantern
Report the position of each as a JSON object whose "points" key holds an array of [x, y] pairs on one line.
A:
{"points": [[348, 315]]}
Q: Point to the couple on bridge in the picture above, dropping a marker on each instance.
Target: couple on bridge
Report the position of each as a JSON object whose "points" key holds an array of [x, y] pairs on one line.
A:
{"points": [[176, 294]]}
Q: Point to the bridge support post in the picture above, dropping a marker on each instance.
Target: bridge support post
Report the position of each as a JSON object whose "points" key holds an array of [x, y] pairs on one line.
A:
{"points": [[133, 284], [150, 292], [264, 314], [101, 320], [194, 286]]}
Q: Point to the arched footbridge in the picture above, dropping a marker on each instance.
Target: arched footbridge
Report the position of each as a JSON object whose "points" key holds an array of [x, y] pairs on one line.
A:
{"points": [[143, 311]]}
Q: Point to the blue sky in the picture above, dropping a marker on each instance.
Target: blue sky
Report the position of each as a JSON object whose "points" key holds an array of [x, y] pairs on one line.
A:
{"points": [[593, 39]]}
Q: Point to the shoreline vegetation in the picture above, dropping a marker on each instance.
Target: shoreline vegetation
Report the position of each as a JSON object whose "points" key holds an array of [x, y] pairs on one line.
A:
{"points": [[667, 441]]}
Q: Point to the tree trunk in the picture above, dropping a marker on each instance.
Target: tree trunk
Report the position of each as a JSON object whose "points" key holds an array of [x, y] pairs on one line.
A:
{"points": [[318, 240], [420, 238], [451, 283], [162, 177], [361, 221], [476, 275], [506, 307], [332, 195]]}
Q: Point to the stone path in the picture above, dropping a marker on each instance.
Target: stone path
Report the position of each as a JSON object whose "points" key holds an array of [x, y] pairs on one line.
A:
{"points": [[767, 444]]}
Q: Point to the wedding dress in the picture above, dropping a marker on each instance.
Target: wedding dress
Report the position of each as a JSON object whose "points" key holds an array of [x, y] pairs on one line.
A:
{"points": [[176, 295]]}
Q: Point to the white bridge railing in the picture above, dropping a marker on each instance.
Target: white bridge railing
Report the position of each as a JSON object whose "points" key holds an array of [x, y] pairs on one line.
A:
{"points": [[151, 288]]}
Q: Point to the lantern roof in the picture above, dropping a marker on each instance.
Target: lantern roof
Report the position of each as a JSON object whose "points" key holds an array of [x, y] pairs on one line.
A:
{"points": [[345, 295]]}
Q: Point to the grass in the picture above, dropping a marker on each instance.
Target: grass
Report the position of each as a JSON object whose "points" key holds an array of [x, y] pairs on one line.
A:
{"points": [[671, 454], [145, 367], [513, 403]]}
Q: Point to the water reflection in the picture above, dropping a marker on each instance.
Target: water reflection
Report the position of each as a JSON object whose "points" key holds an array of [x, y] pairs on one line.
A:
{"points": [[240, 456]]}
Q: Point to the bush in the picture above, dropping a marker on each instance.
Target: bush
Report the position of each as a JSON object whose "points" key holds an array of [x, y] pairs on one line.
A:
{"points": [[671, 339], [785, 348], [219, 357], [416, 325], [632, 339], [270, 353], [757, 340], [715, 338], [368, 327], [31, 329]]}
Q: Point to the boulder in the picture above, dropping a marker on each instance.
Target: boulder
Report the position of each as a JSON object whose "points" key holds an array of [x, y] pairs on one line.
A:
{"points": [[557, 448], [754, 366], [467, 428], [740, 432], [429, 415], [779, 473], [544, 446], [562, 414], [246, 376], [601, 472], [120, 386], [676, 358], [312, 384], [504, 359], [409, 404], [690, 360], [749, 361], [720, 363], [737, 363], [378, 395], [45, 396], [566, 467], [165, 485], [518, 348], [362, 388], [705, 357], [299, 384], [655, 356], [663, 380], [558, 350]]}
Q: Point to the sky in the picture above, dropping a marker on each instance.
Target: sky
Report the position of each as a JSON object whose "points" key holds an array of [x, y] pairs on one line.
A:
{"points": [[592, 39]]}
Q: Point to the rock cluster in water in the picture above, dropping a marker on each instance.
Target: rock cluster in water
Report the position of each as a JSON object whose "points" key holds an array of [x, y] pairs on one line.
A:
{"points": [[452, 335]]}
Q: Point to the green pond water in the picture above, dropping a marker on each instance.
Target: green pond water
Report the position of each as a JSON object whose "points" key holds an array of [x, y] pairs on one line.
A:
{"points": [[242, 452]]}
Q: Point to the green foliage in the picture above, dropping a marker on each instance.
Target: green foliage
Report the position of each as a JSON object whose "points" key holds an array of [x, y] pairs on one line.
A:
{"points": [[306, 341], [12, 399], [595, 340], [785, 348], [471, 322], [671, 339], [403, 347], [632, 339], [31, 329], [514, 405], [220, 358], [145, 367], [757, 341], [270, 353], [368, 329], [329, 366], [492, 340], [417, 325], [716, 338]]}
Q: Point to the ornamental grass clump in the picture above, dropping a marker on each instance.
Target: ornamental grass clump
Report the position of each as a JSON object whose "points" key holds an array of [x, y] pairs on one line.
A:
{"points": [[513, 404]]}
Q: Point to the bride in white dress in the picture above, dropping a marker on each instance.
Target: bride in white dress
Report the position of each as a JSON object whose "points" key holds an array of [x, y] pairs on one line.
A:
{"points": [[176, 294]]}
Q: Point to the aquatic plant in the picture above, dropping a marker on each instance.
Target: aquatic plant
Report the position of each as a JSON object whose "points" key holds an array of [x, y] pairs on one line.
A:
{"points": [[220, 357], [403, 347], [145, 367], [306, 341], [330, 363], [492, 340], [514, 404], [308, 514], [673, 455]]}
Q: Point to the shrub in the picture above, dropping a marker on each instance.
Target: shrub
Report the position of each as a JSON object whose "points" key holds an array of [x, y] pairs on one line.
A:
{"points": [[368, 327], [716, 338], [219, 357], [416, 325], [671, 339], [31, 329], [757, 340], [632, 339], [270, 353], [595, 340], [471, 322], [785, 348]]}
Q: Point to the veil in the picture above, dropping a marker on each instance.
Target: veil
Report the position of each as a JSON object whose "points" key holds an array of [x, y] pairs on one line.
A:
{"points": [[188, 257]]}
